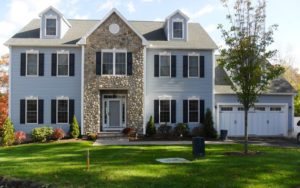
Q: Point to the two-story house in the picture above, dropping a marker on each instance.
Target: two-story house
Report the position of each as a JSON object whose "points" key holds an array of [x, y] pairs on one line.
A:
{"points": [[114, 73]]}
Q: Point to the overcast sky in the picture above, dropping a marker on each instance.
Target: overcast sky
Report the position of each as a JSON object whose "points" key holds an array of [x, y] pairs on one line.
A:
{"points": [[15, 14]]}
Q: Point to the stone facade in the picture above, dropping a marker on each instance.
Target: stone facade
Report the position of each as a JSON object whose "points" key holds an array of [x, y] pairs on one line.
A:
{"points": [[100, 39]]}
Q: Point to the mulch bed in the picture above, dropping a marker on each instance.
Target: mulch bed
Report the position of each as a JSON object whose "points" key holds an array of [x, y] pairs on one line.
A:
{"points": [[144, 138], [237, 153], [7, 182]]}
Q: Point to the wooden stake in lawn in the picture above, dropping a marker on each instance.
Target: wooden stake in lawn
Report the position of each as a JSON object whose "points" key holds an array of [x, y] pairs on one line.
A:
{"points": [[88, 160]]}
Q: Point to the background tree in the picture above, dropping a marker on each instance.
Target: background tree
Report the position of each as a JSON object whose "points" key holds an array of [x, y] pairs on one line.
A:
{"points": [[3, 88], [245, 56]]}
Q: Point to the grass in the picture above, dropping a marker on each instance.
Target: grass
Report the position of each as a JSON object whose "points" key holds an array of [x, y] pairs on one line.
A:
{"points": [[63, 164]]}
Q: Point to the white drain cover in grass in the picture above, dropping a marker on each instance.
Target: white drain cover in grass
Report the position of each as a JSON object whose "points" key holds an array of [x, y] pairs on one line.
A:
{"points": [[173, 160]]}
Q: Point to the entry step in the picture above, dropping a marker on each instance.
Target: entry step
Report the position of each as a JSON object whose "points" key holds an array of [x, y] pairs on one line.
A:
{"points": [[110, 134]]}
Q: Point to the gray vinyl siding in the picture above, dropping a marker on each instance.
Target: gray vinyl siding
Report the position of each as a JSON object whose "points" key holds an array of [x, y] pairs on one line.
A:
{"points": [[45, 87], [229, 98], [169, 26], [178, 88]]}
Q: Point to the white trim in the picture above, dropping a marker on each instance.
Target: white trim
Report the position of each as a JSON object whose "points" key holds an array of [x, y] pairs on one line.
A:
{"points": [[114, 10], [182, 23], [32, 52], [145, 89], [56, 25], [114, 51], [170, 62], [37, 109], [170, 113], [198, 57], [62, 52], [62, 98], [82, 90], [9, 81], [179, 12], [57, 12], [264, 94], [165, 97]]}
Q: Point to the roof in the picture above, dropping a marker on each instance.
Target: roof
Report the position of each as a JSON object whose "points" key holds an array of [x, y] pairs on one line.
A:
{"points": [[152, 31], [223, 84], [58, 12]]}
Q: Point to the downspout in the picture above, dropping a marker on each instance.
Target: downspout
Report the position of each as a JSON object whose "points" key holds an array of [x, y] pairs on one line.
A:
{"points": [[145, 89]]}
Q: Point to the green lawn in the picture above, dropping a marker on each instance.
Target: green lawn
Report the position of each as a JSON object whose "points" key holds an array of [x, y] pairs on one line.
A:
{"points": [[134, 166]]}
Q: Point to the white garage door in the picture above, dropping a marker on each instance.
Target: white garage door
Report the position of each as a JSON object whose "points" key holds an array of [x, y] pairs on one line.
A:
{"points": [[263, 120]]}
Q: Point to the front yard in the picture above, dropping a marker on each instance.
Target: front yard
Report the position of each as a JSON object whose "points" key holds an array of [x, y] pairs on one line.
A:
{"points": [[63, 164]]}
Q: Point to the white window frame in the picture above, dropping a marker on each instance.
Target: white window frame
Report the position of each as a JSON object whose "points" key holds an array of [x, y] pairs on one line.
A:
{"points": [[114, 51], [62, 99], [35, 52], [56, 25], [159, 68], [198, 57], [37, 109], [68, 56], [165, 99], [193, 99], [178, 20]]}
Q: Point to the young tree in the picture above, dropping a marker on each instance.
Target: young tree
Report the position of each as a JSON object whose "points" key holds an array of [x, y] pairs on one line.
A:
{"points": [[3, 88], [209, 130], [74, 128], [246, 56], [7, 133]]}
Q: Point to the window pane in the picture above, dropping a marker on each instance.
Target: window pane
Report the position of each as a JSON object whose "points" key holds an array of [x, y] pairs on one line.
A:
{"points": [[193, 110], [193, 66], [107, 63], [31, 64], [164, 111], [62, 65], [62, 111], [120, 63], [50, 26], [31, 111], [164, 65], [177, 29]]}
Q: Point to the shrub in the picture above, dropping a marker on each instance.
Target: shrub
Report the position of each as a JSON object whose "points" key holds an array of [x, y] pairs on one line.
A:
{"points": [[181, 129], [150, 128], [198, 131], [74, 128], [128, 130], [58, 134], [41, 134], [209, 130], [7, 133], [165, 130], [20, 137], [92, 136]]}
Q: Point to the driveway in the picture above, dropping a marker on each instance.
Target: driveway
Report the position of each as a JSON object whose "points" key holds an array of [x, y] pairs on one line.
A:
{"points": [[276, 142]]}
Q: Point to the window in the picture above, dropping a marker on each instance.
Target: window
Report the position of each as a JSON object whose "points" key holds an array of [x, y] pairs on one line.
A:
{"points": [[165, 65], [275, 109], [31, 111], [260, 108], [63, 64], [178, 29], [241, 109], [193, 110], [114, 62], [32, 64], [62, 111], [50, 26], [193, 66], [165, 111], [225, 108]]}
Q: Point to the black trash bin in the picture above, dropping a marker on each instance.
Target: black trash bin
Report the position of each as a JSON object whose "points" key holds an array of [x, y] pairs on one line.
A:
{"points": [[223, 134], [198, 147]]}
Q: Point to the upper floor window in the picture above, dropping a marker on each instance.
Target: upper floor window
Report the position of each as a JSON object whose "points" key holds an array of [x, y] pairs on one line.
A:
{"points": [[114, 62], [178, 29], [32, 63], [32, 110], [63, 64], [193, 64], [51, 26], [165, 65]]}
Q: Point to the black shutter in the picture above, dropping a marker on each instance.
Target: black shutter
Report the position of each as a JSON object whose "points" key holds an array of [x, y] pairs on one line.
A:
{"points": [[173, 111], [202, 69], [156, 111], [71, 110], [129, 63], [156, 65], [23, 65], [185, 111], [173, 66], [53, 64], [41, 64], [22, 111], [53, 111], [41, 111], [72, 64], [202, 110], [98, 63], [185, 66]]}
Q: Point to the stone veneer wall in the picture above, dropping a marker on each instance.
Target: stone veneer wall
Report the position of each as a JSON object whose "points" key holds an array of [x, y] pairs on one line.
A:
{"points": [[101, 38]]}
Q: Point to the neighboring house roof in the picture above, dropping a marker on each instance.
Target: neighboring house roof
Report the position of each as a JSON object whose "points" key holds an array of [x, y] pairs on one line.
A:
{"points": [[152, 31], [223, 84]]}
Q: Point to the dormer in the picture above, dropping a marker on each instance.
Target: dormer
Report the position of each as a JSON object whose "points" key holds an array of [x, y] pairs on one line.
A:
{"points": [[176, 26], [53, 24]]}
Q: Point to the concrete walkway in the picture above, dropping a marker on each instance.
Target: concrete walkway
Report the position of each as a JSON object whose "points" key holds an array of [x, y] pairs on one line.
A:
{"points": [[125, 141]]}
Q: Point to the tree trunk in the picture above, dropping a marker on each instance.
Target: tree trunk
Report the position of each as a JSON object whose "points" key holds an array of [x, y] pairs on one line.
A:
{"points": [[246, 132]]}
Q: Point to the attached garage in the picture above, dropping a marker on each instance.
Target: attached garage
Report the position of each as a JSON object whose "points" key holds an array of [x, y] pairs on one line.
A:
{"points": [[264, 120]]}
